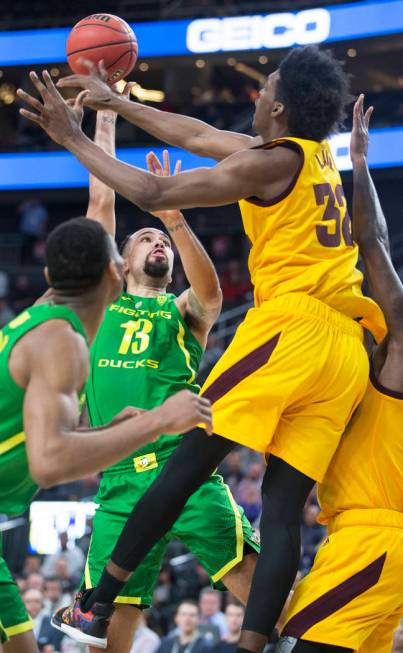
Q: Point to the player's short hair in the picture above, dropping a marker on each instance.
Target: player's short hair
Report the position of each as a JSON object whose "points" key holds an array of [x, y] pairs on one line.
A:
{"points": [[77, 254], [314, 89]]}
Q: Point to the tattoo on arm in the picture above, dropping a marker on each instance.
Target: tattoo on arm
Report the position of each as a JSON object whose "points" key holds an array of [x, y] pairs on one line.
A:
{"points": [[176, 227], [109, 119], [196, 310]]}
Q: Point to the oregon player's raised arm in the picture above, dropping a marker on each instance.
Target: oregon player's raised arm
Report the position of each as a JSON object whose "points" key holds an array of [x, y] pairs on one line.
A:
{"points": [[180, 131], [101, 205], [53, 375], [370, 229], [200, 304]]}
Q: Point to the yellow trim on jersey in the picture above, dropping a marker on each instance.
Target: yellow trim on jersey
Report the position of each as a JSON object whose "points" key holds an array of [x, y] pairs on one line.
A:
{"points": [[131, 600], [239, 540], [181, 343], [19, 628], [88, 583], [145, 463], [12, 442]]}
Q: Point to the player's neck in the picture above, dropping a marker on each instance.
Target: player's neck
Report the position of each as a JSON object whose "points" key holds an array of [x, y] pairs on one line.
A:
{"points": [[149, 288], [274, 131]]}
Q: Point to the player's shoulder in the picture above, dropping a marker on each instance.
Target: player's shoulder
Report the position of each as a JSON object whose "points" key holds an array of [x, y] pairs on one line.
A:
{"points": [[275, 158], [56, 334]]}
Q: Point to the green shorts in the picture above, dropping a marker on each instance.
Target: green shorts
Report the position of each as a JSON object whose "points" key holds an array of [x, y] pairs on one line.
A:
{"points": [[14, 619], [211, 525]]}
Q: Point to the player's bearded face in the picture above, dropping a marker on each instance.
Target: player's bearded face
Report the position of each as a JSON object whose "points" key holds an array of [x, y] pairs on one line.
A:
{"points": [[156, 267]]}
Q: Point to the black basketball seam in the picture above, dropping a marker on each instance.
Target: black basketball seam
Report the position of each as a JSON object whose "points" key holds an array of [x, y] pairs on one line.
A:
{"points": [[114, 29], [122, 55], [103, 45]]}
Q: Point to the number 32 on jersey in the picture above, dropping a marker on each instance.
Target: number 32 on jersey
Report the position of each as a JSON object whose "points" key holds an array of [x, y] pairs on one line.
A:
{"points": [[332, 227]]}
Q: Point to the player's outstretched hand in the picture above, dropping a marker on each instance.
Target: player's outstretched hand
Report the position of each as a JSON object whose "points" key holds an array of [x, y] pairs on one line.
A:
{"points": [[61, 121], [155, 166], [184, 411], [360, 135], [99, 94]]}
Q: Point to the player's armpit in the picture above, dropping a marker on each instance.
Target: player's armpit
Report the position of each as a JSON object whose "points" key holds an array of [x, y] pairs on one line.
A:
{"points": [[199, 316]]}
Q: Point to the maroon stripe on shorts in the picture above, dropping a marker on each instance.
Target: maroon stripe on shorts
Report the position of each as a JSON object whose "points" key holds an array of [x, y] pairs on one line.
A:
{"points": [[242, 369], [334, 599]]}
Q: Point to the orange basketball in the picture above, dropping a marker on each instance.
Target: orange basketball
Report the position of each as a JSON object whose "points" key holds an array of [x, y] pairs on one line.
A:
{"points": [[103, 37]]}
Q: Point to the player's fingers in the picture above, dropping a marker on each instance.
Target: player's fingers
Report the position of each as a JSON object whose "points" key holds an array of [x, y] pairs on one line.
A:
{"points": [[32, 116], [167, 163], [368, 115], [79, 102], [49, 84], [71, 102], [178, 167], [103, 73], [154, 164], [75, 81], [89, 65], [206, 403], [32, 101], [41, 88], [128, 88]]}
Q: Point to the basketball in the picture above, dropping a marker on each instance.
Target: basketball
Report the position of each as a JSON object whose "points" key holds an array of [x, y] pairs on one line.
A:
{"points": [[103, 37]]}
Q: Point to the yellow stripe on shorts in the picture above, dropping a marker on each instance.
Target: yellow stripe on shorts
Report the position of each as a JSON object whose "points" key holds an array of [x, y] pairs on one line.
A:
{"points": [[12, 442]]}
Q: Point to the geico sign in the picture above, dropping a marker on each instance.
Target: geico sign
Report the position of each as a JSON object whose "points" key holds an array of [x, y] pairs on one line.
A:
{"points": [[257, 32]]}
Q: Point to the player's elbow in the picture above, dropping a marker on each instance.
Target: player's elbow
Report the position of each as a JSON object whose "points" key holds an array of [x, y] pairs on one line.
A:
{"points": [[43, 475]]}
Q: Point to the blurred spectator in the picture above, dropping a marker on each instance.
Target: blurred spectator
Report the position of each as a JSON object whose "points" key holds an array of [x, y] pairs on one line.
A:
{"points": [[44, 632], [32, 564], [33, 222], [35, 581], [231, 468], [187, 621], [72, 556], [234, 614], [252, 503], [55, 598], [234, 285], [22, 293], [312, 535], [398, 639], [145, 639], [210, 610], [252, 479], [22, 583], [221, 247], [6, 312], [214, 351]]}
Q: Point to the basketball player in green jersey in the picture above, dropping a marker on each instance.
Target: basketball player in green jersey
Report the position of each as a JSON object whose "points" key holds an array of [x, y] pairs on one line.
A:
{"points": [[44, 365], [148, 347]]}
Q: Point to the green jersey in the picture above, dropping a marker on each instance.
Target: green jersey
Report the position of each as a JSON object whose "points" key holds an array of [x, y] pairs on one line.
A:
{"points": [[16, 485], [143, 353]]}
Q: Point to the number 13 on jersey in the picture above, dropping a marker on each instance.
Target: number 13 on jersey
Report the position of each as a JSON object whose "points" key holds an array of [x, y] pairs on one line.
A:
{"points": [[139, 330]]}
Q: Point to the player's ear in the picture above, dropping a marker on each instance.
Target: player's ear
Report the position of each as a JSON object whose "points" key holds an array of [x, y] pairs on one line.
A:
{"points": [[278, 109], [46, 273], [126, 266]]}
